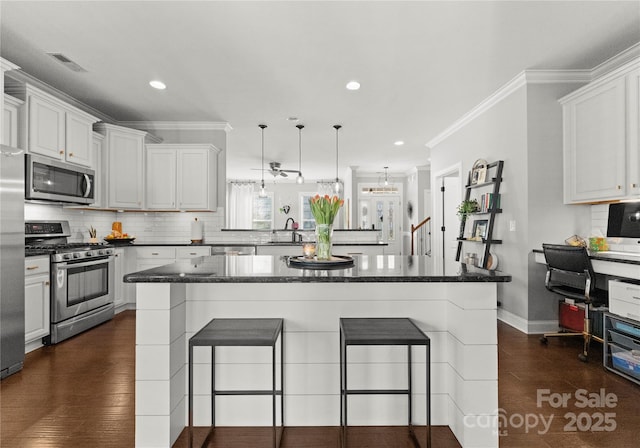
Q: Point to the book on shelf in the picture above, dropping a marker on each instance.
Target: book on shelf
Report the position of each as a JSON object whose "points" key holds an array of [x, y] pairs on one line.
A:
{"points": [[489, 201]]}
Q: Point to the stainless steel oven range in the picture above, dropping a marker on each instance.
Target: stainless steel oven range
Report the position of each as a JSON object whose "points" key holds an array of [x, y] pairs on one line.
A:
{"points": [[82, 280]]}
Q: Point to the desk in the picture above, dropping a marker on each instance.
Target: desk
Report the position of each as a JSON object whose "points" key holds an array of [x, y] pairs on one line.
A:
{"points": [[616, 264]]}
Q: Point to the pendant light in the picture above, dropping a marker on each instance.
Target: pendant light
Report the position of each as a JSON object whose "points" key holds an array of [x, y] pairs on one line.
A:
{"points": [[337, 187], [386, 176], [263, 192], [300, 179]]}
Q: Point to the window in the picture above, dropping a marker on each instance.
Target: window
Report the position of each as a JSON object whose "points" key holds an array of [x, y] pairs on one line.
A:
{"points": [[306, 217], [262, 212]]}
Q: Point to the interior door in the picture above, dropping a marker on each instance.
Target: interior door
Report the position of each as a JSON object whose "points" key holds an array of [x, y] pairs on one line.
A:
{"points": [[382, 212], [451, 197]]}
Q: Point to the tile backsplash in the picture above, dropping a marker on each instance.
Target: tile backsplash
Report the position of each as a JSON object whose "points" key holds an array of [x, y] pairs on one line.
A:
{"points": [[147, 227]]}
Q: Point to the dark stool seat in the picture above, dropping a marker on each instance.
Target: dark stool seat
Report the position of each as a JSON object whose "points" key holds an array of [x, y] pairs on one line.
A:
{"points": [[382, 331], [239, 333]]}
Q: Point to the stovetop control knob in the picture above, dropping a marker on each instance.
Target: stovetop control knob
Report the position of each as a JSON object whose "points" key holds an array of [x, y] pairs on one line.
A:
{"points": [[66, 256], [100, 252], [76, 255], [88, 253]]}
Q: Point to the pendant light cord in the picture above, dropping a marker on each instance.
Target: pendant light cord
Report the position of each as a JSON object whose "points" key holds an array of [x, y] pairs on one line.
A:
{"points": [[337, 128], [262, 127]]}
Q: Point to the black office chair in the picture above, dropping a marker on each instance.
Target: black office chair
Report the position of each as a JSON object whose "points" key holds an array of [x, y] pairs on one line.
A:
{"points": [[570, 274]]}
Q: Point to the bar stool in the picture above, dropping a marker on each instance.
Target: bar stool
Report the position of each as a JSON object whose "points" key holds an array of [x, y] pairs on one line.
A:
{"points": [[239, 333], [382, 331]]}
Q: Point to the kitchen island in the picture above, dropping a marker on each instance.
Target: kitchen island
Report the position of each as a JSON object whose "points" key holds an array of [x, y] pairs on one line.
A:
{"points": [[457, 312]]}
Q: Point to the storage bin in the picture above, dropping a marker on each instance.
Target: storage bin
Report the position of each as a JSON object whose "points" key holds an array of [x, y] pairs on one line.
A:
{"points": [[626, 361], [626, 328], [571, 316], [624, 341]]}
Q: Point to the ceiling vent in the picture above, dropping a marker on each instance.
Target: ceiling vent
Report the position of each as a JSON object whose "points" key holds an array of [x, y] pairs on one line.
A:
{"points": [[66, 62]]}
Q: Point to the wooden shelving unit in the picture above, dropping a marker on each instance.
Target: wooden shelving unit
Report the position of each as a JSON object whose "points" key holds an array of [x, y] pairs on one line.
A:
{"points": [[492, 185]]}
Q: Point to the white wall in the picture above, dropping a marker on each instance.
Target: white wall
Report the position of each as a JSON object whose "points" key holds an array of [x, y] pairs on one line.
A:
{"points": [[499, 134], [524, 128]]}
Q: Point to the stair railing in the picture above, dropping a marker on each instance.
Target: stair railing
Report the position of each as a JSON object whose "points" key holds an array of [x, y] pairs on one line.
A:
{"points": [[424, 236]]}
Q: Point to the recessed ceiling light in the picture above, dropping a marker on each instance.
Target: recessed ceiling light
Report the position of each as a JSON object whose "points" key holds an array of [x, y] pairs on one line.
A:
{"points": [[292, 119], [353, 85], [157, 85], [398, 143]]}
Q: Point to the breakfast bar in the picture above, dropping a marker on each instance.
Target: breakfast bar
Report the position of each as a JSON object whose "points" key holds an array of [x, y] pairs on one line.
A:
{"points": [[457, 312]]}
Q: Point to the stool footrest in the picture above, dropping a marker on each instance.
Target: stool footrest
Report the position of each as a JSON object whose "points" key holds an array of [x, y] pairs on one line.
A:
{"points": [[377, 391], [247, 392]]}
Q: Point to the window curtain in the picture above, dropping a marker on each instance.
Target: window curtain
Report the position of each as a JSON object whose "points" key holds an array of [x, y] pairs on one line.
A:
{"points": [[240, 209]]}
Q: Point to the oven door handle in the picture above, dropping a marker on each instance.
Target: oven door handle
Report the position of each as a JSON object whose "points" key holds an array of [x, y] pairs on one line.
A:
{"points": [[87, 181], [71, 264]]}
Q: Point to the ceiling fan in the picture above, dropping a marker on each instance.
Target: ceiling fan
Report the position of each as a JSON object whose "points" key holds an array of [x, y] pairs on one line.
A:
{"points": [[275, 170]]}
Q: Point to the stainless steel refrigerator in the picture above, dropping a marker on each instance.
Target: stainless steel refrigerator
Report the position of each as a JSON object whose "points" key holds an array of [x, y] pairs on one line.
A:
{"points": [[11, 260]]}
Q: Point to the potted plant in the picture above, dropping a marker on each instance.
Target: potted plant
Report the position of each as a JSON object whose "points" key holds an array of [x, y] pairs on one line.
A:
{"points": [[466, 208]]}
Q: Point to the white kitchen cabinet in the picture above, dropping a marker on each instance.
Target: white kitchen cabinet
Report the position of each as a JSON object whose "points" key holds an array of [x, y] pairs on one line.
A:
{"points": [[197, 180], [98, 185], [161, 170], [181, 177], [10, 121], [187, 252], [153, 256], [36, 301], [633, 126], [53, 128], [122, 166], [124, 263], [601, 138]]}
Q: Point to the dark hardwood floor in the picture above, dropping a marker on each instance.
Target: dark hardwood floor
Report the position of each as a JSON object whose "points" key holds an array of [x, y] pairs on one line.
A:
{"points": [[80, 393]]}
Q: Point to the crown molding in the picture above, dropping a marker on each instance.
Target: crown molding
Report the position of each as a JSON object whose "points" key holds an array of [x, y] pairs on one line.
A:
{"points": [[617, 61], [500, 94], [539, 77], [5, 65], [24, 78], [179, 125]]}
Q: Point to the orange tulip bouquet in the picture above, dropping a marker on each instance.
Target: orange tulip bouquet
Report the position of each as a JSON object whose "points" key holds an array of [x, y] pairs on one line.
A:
{"points": [[324, 210]]}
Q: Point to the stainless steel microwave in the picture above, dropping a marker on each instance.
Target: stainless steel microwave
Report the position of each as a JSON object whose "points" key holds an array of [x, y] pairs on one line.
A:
{"points": [[51, 180]]}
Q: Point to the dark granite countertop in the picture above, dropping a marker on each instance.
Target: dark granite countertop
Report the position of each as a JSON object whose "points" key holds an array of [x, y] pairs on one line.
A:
{"points": [[617, 257], [275, 269]]}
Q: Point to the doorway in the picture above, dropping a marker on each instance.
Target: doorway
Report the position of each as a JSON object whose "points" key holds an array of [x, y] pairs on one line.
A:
{"points": [[447, 194], [380, 209]]}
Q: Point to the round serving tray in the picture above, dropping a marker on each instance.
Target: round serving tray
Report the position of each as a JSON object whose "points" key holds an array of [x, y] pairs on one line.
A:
{"points": [[335, 262]]}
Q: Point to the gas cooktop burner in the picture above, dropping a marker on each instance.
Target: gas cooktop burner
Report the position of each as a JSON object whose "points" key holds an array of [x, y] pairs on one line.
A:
{"points": [[63, 247]]}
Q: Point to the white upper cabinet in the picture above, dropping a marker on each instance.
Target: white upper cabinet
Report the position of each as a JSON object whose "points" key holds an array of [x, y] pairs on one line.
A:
{"points": [[122, 166], [633, 136], [181, 177], [53, 128], [10, 121], [601, 138], [161, 178], [98, 186]]}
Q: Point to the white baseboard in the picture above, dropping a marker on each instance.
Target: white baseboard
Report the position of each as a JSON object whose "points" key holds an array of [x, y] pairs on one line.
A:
{"points": [[526, 326], [124, 307]]}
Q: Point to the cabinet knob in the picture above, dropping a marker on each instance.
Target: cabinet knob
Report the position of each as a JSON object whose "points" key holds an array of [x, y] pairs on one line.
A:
{"points": [[62, 151], [619, 187], [70, 154], [47, 283], [31, 268], [634, 185]]}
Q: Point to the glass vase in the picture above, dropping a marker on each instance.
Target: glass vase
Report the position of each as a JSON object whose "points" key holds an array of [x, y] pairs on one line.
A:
{"points": [[324, 234]]}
